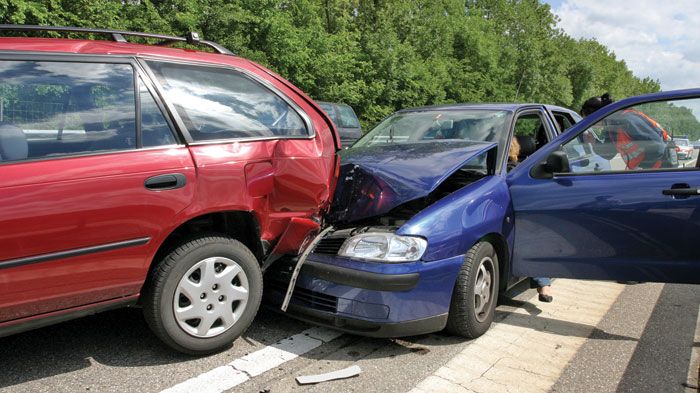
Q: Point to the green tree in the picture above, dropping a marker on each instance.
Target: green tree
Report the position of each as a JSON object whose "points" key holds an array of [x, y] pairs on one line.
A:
{"points": [[378, 55]]}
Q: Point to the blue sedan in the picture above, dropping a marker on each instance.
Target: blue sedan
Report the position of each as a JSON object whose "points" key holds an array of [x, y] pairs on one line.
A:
{"points": [[430, 224]]}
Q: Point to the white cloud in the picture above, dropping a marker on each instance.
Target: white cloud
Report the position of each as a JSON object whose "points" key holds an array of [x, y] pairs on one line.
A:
{"points": [[656, 39]]}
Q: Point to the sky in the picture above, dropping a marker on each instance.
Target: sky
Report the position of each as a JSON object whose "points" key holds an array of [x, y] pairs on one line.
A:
{"points": [[657, 39]]}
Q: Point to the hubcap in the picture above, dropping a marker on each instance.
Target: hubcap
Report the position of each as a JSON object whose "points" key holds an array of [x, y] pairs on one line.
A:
{"points": [[483, 288], [211, 297]]}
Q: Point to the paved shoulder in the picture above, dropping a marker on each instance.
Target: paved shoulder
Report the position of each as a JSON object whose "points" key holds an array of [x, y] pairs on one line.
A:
{"points": [[528, 350]]}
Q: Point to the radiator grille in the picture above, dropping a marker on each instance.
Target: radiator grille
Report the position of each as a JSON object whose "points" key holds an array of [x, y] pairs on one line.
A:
{"points": [[311, 299], [329, 245]]}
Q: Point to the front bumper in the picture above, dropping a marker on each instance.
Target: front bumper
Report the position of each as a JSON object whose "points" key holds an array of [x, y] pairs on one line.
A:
{"points": [[368, 328], [361, 278], [370, 299]]}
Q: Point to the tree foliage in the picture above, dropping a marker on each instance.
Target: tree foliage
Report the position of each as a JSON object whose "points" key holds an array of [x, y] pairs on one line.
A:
{"points": [[379, 55], [678, 120]]}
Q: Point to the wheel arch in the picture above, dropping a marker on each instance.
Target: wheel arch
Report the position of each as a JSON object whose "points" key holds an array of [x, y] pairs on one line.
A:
{"points": [[239, 225], [501, 246]]}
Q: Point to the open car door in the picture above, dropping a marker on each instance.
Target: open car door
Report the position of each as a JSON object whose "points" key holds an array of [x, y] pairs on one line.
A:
{"points": [[637, 218]]}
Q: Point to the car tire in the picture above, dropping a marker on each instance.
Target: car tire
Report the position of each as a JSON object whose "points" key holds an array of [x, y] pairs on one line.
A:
{"points": [[203, 295], [475, 293]]}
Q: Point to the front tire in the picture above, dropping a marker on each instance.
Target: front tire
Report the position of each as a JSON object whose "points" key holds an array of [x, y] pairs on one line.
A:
{"points": [[203, 295], [475, 293]]}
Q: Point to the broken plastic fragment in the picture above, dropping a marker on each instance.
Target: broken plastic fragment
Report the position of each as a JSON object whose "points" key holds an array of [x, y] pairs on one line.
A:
{"points": [[331, 376]]}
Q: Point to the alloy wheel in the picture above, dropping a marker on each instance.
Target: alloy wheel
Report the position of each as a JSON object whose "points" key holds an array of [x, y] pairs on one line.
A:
{"points": [[483, 288]]}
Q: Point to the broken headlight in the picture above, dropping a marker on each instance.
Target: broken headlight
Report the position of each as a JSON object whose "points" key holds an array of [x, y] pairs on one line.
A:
{"points": [[384, 247]]}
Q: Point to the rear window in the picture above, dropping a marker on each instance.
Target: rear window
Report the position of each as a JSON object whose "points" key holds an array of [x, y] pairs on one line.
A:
{"points": [[330, 111], [221, 103], [348, 119]]}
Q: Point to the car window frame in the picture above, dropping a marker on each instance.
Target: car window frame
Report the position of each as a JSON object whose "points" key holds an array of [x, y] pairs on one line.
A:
{"points": [[546, 120], [88, 59], [567, 115], [187, 136], [548, 127], [607, 114], [150, 86]]}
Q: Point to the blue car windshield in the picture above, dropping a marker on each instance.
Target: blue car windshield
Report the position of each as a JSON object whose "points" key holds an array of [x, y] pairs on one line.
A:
{"points": [[476, 125]]}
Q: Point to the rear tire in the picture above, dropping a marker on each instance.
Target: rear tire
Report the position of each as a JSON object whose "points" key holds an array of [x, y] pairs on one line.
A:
{"points": [[203, 295], [475, 293]]}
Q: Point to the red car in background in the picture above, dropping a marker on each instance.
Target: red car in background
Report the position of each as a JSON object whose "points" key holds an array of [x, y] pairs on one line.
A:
{"points": [[684, 148], [154, 175]]}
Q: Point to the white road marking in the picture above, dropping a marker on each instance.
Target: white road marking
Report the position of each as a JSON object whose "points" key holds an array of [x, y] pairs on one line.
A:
{"points": [[694, 366], [244, 368]]}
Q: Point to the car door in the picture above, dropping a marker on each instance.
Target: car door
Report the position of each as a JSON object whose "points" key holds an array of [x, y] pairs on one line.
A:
{"points": [[639, 219], [90, 171]]}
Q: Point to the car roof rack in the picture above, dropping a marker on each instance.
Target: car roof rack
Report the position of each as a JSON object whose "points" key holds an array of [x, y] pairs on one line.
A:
{"points": [[191, 38]]}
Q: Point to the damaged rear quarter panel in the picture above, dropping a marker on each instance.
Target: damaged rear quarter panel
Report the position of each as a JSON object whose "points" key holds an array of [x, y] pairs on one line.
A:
{"points": [[455, 223]]}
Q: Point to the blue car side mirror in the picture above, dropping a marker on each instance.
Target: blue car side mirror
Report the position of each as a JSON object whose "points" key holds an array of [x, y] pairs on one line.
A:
{"points": [[556, 162]]}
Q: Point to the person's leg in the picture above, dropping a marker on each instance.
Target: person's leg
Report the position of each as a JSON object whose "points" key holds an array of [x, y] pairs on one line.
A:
{"points": [[544, 286]]}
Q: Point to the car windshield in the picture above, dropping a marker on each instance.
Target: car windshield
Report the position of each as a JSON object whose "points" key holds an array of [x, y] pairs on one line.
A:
{"points": [[436, 125], [682, 142], [348, 119]]}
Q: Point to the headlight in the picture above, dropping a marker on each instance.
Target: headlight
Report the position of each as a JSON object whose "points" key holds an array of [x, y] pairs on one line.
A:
{"points": [[385, 247]]}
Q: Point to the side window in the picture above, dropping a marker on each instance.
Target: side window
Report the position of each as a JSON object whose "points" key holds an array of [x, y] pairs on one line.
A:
{"points": [[529, 135], [637, 138], [564, 120], [219, 103], [155, 130], [60, 108]]}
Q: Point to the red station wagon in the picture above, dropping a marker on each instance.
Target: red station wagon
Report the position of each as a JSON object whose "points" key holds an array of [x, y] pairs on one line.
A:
{"points": [[147, 174]]}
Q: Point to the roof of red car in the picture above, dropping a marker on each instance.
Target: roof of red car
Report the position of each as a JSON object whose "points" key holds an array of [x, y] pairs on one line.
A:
{"points": [[104, 47]]}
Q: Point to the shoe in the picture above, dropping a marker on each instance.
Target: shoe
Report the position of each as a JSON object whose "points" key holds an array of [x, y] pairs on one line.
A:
{"points": [[545, 298]]}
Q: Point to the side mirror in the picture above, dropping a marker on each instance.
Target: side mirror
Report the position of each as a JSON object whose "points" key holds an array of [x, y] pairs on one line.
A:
{"points": [[557, 162]]}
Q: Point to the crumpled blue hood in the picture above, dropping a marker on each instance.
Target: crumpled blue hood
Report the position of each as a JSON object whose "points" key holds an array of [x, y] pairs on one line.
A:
{"points": [[375, 179]]}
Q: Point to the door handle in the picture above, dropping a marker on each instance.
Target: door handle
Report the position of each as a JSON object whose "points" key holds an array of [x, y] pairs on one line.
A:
{"points": [[681, 190], [170, 181]]}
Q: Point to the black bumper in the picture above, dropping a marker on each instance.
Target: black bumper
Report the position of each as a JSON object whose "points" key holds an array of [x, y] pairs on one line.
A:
{"points": [[366, 328], [361, 279]]}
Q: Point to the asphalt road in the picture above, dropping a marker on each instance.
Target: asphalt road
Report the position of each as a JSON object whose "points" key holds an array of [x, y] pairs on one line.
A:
{"points": [[643, 343]]}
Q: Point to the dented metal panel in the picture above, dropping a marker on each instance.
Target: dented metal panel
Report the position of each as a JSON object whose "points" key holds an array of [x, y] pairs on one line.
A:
{"points": [[375, 179]]}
